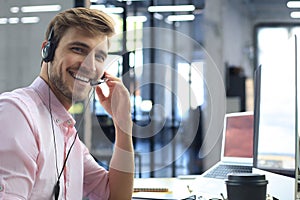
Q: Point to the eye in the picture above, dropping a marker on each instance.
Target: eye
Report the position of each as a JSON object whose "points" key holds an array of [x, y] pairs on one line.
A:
{"points": [[78, 50], [99, 58]]}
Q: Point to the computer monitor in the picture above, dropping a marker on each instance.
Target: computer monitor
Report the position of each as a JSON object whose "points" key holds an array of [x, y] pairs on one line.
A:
{"points": [[275, 122]]}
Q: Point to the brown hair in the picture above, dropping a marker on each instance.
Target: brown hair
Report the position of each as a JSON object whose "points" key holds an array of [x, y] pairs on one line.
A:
{"points": [[93, 22]]}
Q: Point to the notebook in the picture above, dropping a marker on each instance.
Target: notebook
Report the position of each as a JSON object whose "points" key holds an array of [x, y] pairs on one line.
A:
{"points": [[236, 152], [162, 189]]}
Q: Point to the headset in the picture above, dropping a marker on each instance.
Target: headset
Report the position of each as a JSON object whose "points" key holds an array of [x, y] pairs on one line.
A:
{"points": [[49, 49]]}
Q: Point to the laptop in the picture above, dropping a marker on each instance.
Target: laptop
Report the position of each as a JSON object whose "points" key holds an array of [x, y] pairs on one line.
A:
{"points": [[236, 153]]}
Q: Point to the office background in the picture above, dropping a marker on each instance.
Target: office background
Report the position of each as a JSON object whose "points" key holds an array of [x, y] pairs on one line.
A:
{"points": [[221, 43]]}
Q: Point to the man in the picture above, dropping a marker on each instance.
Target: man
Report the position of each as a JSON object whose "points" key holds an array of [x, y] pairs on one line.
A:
{"points": [[41, 156]]}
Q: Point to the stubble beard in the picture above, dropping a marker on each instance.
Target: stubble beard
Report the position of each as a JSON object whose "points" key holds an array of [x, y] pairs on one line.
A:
{"points": [[74, 94]]}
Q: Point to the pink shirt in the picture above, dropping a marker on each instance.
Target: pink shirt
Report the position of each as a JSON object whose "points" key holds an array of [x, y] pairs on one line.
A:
{"points": [[27, 155]]}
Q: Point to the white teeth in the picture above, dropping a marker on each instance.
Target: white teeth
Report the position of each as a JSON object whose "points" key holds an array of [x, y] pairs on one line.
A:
{"points": [[81, 78], [78, 77]]}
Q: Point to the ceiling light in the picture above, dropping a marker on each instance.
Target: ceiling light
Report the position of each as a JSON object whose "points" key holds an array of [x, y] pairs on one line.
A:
{"points": [[13, 20], [98, 7], [109, 10], [137, 18], [14, 9], [3, 20], [293, 4], [30, 20], [158, 16], [173, 18], [43, 8], [115, 10], [178, 8], [295, 14]]}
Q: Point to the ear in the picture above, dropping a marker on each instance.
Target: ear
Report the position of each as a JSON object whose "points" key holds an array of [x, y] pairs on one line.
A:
{"points": [[44, 44]]}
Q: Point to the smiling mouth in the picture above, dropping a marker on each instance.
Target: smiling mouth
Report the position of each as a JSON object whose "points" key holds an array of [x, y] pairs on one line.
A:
{"points": [[78, 77]]}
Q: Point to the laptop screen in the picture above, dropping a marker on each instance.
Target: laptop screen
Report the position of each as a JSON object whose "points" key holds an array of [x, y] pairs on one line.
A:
{"points": [[238, 140]]}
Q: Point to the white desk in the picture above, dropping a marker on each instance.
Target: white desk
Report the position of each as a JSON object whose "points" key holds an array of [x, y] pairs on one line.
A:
{"points": [[178, 188]]}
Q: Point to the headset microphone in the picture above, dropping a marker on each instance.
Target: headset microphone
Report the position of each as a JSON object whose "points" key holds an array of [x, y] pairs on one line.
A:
{"points": [[95, 83]]}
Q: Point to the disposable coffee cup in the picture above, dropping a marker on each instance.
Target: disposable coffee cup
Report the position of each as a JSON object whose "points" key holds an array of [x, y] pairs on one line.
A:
{"points": [[246, 186]]}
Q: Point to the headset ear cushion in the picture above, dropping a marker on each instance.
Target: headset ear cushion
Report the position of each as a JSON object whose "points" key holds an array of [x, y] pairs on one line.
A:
{"points": [[47, 52]]}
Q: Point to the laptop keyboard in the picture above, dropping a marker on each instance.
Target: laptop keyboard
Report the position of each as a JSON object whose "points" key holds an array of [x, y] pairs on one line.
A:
{"points": [[221, 171]]}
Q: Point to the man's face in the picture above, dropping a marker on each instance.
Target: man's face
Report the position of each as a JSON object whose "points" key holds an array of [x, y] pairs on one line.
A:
{"points": [[79, 59]]}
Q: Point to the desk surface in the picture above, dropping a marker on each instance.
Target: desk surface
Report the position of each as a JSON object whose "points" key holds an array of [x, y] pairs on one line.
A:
{"points": [[178, 188]]}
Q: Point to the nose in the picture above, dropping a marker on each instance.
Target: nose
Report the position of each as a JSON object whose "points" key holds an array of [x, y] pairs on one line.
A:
{"points": [[89, 62]]}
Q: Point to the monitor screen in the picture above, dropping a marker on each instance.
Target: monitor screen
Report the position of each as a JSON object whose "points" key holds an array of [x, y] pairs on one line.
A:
{"points": [[275, 113], [275, 110]]}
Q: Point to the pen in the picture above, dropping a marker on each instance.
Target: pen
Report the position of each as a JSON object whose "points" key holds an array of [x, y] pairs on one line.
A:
{"points": [[189, 189], [150, 190], [223, 196]]}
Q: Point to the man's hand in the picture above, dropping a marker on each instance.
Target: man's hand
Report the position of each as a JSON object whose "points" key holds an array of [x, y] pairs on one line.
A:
{"points": [[117, 103]]}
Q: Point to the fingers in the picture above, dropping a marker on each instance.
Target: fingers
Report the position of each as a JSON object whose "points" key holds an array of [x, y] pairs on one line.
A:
{"points": [[111, 82], [100, 93], [111, 77]]}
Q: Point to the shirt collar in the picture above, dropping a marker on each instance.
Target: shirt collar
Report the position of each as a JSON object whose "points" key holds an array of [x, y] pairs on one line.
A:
{"points": [[60, 114]]}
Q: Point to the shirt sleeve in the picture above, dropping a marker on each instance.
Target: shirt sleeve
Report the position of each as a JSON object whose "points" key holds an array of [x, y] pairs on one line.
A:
{"points": [[95, 183], [18, 151]]}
